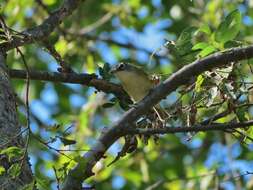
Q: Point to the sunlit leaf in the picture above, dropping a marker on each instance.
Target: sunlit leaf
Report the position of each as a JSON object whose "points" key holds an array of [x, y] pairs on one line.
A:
{"points": [[49, 2], [201, 45], [205, 28], [14, 170], [2, 170], [200, 80], [229, 28], [90, 66], [61, 46], [207, 50], [12, 152]]}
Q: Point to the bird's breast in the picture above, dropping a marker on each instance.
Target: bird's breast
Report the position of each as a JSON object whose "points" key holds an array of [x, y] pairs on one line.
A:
{"points": [[137, 86]]}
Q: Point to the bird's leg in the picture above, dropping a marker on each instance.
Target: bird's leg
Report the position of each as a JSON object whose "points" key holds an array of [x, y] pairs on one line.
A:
{"points": [[159, 117]]}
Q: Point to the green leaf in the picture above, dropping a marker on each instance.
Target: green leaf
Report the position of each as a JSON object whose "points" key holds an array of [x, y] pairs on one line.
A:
{"points": [[186, 35], [2, 170], [49, 2], [207, 51], [42, 183], [249, 133], [205, 28], [66, 141], [64, 167], [90, 67], [12, 152], [201, 45], [29, 186], [184, 42], [134, 3], [241, 114], [14, 170], [105, 71], [200, 80], [229, 28], [82, 164], [61, 46]]}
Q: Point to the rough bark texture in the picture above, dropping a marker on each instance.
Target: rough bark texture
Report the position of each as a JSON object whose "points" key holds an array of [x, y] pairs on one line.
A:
{"points": [[10, 133]]}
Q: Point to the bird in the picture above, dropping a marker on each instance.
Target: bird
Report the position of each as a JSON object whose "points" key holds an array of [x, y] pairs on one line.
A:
{"points": [[137, 83]]}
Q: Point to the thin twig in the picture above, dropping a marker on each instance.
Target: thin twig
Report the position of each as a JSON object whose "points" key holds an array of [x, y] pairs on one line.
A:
{"points": [[73, 35], [238, 176], [65, 68], [50, 147], [104, 19], [27, 105], [57, 178], [44, 7], [14, 138]]}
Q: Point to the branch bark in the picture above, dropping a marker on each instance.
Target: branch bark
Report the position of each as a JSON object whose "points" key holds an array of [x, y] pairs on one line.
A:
{"points": [[83, 79], [202, 128], [10, 132], [43, 30], [83, 170]]}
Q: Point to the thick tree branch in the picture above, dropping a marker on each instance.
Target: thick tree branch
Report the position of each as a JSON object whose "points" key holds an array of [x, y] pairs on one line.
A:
{"points": [[83, 171], [11, 134], [84, 79], [43, 30]]}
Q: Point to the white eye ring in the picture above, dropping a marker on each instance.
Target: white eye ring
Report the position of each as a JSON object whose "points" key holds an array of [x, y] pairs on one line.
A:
{"points": [[121, 66]]}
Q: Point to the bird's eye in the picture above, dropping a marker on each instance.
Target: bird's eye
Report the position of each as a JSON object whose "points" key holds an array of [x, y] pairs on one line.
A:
{"points": [[121, 66]]}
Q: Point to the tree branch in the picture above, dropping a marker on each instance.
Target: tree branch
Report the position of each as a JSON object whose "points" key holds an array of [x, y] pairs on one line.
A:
{"points": [[104, 19], [83, 79], [43, 30], [108, 40], [84, 170], [10, 134], [198, 128]]}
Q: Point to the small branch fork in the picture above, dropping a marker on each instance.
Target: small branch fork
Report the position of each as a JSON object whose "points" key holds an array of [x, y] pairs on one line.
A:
{"points": [[43, 30]]}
